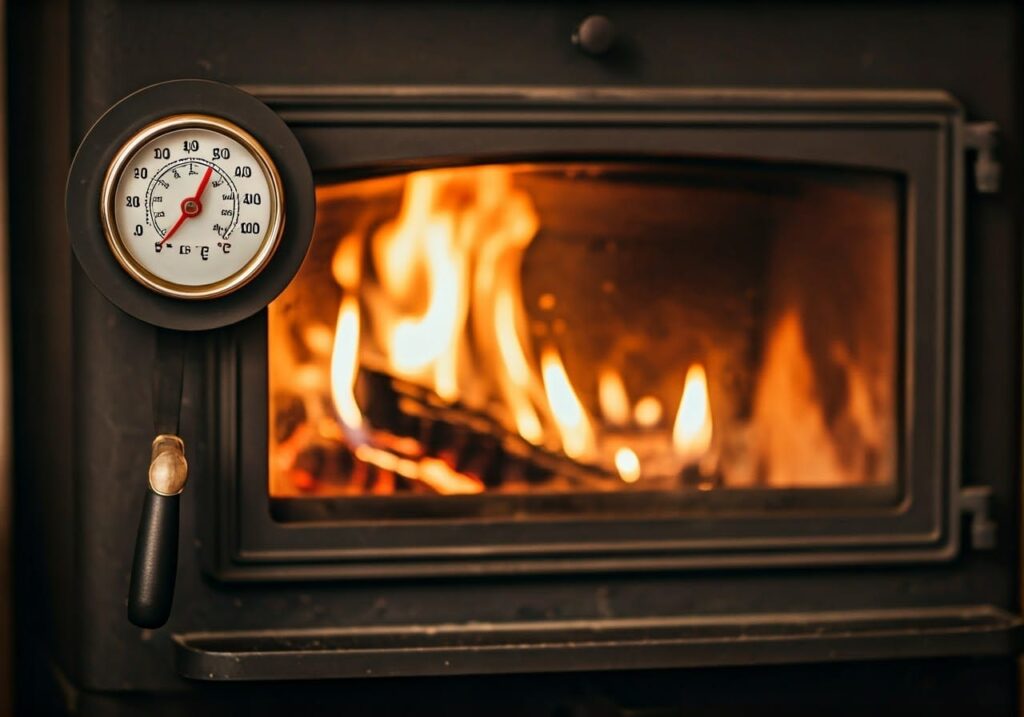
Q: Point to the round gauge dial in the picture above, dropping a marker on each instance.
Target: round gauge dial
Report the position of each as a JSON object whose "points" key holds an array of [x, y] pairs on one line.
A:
{"points": [[192, 207]]}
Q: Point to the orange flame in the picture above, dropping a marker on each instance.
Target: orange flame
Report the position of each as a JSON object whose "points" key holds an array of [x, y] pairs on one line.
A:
{"points": [[570, 417], [627, 463], [514, 358], [459, 235], [794, 442], [346, 262], [420, 341], [612, 397], [691, 433], [647, 412], [345, 363]]}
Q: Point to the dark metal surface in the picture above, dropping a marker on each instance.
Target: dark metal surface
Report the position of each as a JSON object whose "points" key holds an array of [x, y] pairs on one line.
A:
{"points": [[168, 374], [974, 686], [567, 646]]}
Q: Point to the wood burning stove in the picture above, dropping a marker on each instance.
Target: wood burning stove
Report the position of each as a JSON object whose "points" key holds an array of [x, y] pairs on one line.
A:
{"points": [[609, 378]]}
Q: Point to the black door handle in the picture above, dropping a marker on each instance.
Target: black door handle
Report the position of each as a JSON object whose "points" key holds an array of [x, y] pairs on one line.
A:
{"points": [[155, 565]]}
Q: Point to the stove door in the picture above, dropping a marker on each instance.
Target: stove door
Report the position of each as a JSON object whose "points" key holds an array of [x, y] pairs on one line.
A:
{"points": [[625, 330]]}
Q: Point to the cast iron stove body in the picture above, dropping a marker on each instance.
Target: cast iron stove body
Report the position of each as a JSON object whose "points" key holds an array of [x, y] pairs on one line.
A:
{"points": [[819, 186]]}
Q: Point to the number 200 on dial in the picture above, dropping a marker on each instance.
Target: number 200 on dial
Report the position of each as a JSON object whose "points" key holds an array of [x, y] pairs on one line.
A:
{"points": [[192, 207]]}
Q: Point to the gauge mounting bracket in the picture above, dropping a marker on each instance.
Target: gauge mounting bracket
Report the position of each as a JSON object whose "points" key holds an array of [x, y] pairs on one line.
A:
{"points": [[114, 130]]}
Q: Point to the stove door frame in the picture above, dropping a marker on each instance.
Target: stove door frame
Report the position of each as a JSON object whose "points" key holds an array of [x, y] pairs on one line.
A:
{"points": [[918, 134]]}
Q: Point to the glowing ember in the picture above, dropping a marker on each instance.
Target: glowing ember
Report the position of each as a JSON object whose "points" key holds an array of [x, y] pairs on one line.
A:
{"points": [[446, 481], [431, 471]]}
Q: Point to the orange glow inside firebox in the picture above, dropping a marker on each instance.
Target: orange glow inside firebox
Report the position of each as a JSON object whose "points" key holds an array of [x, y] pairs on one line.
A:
{"points": [[514, 329]]}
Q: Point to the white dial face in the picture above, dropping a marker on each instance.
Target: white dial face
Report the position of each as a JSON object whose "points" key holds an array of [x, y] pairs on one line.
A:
{"points": [[192, 207]]}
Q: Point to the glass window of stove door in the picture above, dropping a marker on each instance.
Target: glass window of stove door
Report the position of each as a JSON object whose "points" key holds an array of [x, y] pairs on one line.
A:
{"points": [[562, 333]]}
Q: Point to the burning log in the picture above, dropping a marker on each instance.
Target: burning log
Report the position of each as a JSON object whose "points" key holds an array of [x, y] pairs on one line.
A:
{"points": [[477, 439]]}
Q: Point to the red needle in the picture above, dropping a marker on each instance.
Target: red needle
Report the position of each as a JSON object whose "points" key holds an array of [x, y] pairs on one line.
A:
{"points": [[202, 184], [190, 206], [177, 224]]}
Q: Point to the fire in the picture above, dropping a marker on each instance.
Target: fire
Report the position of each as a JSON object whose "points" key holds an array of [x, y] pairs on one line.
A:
{"points": [[612, 396], [647, 412], [570, 416], [627, 463], [794, 442], [345, 363], [443, 315], [691, 433], [417, 342], [446, 480], [346, 265], [398, 247], [519, 374], [432, 471], [456, 245]]}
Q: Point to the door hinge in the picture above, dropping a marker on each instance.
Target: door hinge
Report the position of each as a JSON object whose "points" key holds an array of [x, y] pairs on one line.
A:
{"points": [[976, 504], [982, 138]]}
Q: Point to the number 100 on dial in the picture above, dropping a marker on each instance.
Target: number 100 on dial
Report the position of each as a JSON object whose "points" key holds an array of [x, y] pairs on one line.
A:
{"points": [[192, 207]]}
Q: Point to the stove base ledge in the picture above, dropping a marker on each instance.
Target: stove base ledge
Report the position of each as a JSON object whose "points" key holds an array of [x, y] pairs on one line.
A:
{"points": [[599, 644]]}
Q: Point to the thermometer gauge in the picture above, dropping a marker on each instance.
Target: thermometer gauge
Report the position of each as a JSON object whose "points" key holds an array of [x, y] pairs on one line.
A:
{"points": [[192, 207]]}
